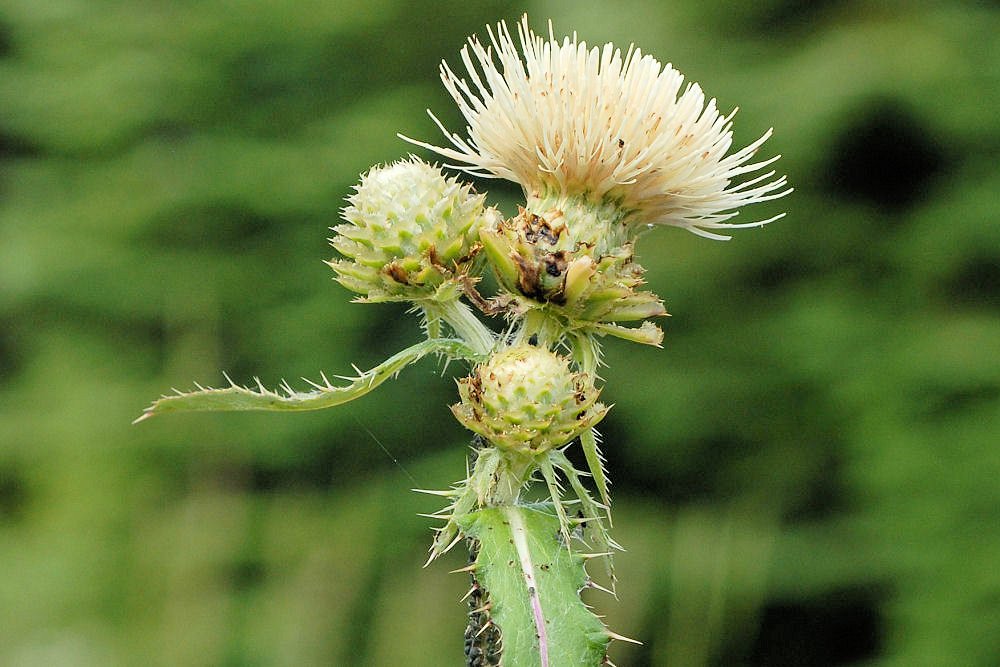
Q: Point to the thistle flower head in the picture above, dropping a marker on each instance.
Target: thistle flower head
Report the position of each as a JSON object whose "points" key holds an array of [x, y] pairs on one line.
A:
{"points": [[526, 399], [410, 230], [584, 287], [564, 120]]}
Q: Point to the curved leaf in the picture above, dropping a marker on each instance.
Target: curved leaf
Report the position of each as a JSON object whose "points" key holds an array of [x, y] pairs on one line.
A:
{"points": [[324, 394]]}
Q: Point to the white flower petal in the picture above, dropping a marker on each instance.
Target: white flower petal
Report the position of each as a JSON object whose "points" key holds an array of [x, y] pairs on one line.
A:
{"points": [[559, 118]]}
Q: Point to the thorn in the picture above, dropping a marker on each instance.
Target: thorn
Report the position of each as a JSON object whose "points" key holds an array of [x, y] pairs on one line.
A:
{"points": [[486, 607], [447, 494], [594, 585], [228, 379], [472, 590], [147, 413], [486, 626], [442, 517], [310, 382], [458, 538], [467, 568], [622, 638], [600, 555]]}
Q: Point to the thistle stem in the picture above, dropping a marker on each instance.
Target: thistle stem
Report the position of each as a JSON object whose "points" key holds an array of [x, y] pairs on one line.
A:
{"points": [[513, 476], [586, 353], [500, 481], [432, 326], [463, 321]]}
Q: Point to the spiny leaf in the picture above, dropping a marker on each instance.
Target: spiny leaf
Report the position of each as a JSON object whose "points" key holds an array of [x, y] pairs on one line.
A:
{"points": [[592, 511], [533, 582], [475, 491], [549, 475], [595, 462], [324, 395]]}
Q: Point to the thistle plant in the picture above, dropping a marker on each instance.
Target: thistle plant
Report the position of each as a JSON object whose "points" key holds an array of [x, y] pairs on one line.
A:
{"points": [[605, 145]]}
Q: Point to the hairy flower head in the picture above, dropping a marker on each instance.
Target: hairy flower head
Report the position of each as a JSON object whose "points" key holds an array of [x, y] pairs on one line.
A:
{"points": [[564, 120]]}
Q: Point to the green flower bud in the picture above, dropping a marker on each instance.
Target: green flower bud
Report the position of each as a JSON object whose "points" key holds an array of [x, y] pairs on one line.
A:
{"points": [[410, 233], [527, 400]]}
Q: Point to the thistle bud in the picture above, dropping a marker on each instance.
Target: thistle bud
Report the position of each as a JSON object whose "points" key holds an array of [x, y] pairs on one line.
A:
{"points": [[526, 399], [410, 229], [575, 261]]}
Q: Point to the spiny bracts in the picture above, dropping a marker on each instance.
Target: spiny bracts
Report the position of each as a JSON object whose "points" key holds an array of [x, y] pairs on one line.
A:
{"points": [[411, 232], [526, 399]]}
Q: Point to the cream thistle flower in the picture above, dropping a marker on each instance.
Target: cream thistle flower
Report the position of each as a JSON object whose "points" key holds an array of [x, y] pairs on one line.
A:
{"points": [[565, 121]]}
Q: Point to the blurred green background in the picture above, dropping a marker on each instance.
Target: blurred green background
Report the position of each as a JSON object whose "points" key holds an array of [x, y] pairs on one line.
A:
{"points": [[806, 474]]}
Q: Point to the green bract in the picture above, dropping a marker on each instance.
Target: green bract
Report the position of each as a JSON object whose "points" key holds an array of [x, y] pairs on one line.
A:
{"points": [[410, 230], [527, 400]]}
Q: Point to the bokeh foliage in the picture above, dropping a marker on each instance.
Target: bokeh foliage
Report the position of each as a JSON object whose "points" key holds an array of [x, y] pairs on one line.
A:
{"points": [[807, 474]]}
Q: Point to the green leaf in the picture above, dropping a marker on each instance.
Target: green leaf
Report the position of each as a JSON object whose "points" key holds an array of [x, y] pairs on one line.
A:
{"points": [[595, 533], [533, 583], [324, 395], [595, 462]]}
